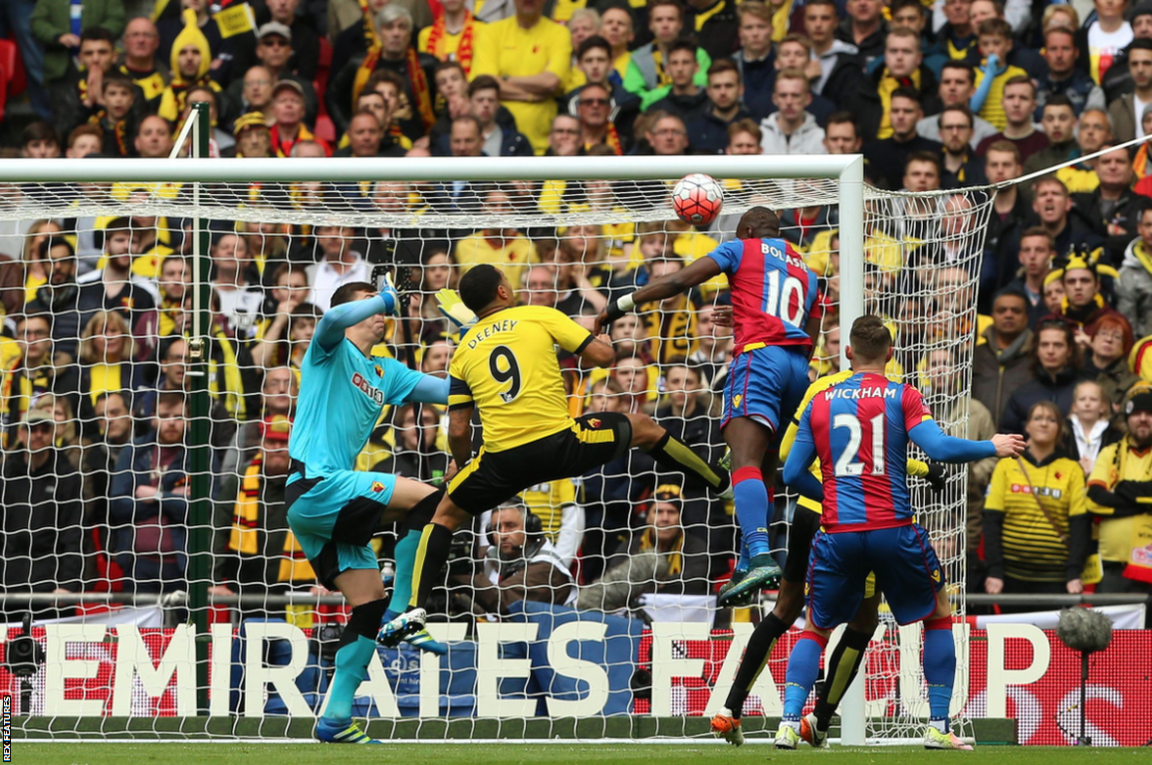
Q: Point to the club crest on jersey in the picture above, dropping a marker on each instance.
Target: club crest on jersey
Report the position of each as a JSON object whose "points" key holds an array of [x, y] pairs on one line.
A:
{"points": [[379, 370], [375, 394], [377, 486], [594, 422]]}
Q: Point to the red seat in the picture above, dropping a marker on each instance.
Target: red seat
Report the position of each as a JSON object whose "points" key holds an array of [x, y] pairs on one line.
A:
{"points": [[12, 78], [325, 129]]}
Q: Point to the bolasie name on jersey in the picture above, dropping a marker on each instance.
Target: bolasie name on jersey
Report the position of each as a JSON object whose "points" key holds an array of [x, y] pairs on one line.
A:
{"points": [[858, 393], [784, 255], [375, 394], [476, 336]]}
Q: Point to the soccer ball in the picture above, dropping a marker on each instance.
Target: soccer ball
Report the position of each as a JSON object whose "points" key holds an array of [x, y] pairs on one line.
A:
{"points": [[697, 199]]}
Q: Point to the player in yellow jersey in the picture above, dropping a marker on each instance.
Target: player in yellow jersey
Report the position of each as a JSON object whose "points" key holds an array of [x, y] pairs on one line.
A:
{"points": [[845, 660], [506, 365]]}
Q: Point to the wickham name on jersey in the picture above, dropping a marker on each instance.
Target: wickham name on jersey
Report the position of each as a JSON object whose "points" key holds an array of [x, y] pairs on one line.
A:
{"points": [[375, 394], [478, 335], [858, 393]]}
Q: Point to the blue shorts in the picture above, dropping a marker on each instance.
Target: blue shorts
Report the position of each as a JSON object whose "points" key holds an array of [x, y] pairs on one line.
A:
{"points": [[335, 518], [906, 569], [766, 384]]}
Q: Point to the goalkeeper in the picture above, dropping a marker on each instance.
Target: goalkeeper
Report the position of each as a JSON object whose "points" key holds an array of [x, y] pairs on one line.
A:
{"points": [[333, 510]]}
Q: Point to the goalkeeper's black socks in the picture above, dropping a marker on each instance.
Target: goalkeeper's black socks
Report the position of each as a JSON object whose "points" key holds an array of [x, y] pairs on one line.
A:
{"points": [[431, 555], [755, 658], [676, 455], [841, 667]]}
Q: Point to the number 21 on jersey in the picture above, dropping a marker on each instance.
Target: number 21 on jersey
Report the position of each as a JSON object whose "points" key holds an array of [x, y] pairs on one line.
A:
{"points": [[847, 463]]}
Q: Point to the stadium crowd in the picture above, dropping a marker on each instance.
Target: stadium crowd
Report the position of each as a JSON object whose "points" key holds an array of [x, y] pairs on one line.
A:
{"points": [[937, 96]]}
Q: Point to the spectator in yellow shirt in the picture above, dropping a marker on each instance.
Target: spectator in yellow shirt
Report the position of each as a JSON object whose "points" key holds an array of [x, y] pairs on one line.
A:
{"points": [[531, 56], [995, 39], [505, 248]]}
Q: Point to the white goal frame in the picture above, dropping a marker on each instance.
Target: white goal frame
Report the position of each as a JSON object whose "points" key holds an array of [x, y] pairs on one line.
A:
{"points": [[847, 170]]}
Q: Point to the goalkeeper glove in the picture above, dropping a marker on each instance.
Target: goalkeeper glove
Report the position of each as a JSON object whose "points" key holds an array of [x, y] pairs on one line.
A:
{"points": [[937, 477], [454, 309], [391, 296]]}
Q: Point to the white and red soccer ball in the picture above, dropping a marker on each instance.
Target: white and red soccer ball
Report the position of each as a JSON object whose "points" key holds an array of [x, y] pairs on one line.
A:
{"points": [[697, 199]]}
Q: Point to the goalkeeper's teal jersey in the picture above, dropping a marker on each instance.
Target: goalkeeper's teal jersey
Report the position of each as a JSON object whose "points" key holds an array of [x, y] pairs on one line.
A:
{"points": [[342, 393]]}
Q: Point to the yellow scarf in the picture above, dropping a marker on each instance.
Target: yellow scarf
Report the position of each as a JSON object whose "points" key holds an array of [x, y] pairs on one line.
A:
{"points": [[888, 85], [675, 557], [245, 536]]}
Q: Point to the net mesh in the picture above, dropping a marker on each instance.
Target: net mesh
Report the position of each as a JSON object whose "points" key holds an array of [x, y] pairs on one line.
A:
{"points": [[99, 310]]}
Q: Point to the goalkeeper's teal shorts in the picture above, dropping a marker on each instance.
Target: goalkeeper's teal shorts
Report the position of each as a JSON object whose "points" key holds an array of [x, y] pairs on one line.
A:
{"points": [[334, 519]]}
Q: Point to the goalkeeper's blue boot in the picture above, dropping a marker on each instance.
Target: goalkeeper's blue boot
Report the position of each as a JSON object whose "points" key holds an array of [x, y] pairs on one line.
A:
{"points": [[407, 623], [342, 732], [762, 573], [425, 642]]}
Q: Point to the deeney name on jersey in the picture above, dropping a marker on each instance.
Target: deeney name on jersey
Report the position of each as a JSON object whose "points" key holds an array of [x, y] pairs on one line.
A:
{"points": [[375, 394], [480, 335]]}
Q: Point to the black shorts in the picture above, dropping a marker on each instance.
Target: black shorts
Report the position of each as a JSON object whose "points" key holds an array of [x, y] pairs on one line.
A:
{"points": [[495, 477], [805, 524]]}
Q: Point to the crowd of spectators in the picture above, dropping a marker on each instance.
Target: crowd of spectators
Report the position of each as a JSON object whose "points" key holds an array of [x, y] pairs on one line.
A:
{"points": [[938, 97]]}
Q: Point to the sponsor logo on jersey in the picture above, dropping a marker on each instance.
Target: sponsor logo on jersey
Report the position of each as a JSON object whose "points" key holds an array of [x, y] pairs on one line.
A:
{"points": [[1039, 491], [375, 394], [935, 575]]}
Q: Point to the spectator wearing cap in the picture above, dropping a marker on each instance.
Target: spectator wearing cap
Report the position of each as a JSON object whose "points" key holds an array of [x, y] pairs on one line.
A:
{"points": [[393, 49], [305, 60], [174, 19], [664, 559], [191, 61], [148, 511], [288, 110], [253, 138], [1084, 305], [43, 513], [274, 48], [520, 563], [1120, 496], [256, 551], [1057, 366]]}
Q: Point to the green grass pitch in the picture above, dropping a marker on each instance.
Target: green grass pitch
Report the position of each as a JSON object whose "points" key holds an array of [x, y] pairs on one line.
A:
{"points": [[208, 753]]}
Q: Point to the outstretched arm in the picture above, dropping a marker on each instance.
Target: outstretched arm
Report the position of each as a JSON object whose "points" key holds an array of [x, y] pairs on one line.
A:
{"points": [[697, 272], [941, 447], [430, 390], [330, 330]]}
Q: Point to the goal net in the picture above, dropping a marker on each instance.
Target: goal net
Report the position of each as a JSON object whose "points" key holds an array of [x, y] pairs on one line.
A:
{"points": [[145, 522]]}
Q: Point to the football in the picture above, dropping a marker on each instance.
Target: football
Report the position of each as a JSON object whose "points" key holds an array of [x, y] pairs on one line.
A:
{"points": [[697, 199]]}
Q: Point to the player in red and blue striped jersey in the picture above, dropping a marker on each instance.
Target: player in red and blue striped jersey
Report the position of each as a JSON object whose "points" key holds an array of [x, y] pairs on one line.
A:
{"points": [[860, 430], [776, 311]]}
